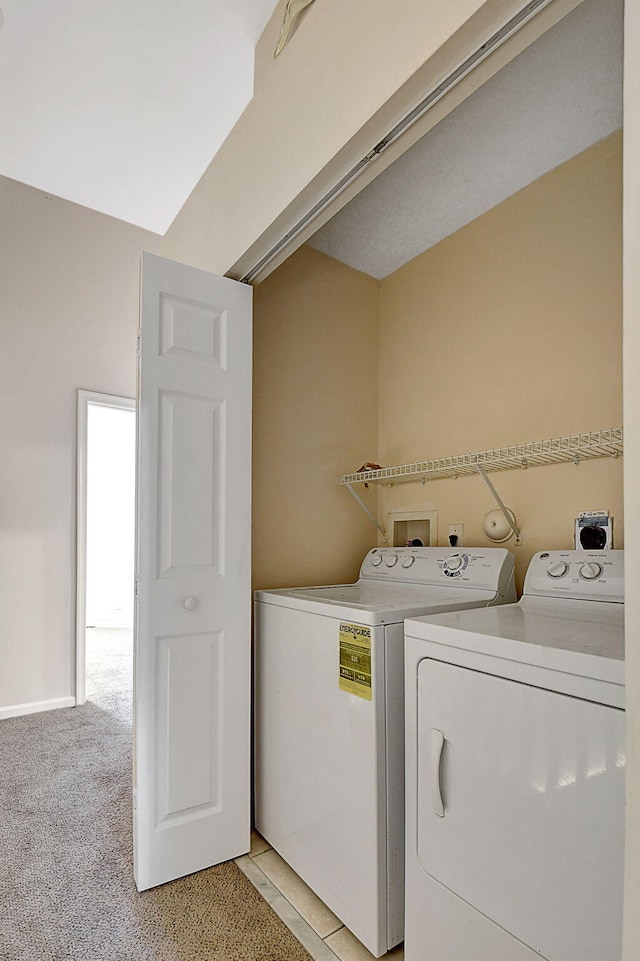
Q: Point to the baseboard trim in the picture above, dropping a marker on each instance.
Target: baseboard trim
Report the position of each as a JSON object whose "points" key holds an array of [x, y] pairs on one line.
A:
{"points": [[34, 707]]}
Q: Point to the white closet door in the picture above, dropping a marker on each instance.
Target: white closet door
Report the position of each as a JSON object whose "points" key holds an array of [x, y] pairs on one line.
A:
{"points": [[192, 651]]}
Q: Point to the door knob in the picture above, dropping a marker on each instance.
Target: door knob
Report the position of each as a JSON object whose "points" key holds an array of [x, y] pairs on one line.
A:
{"points": [[190, 603]]}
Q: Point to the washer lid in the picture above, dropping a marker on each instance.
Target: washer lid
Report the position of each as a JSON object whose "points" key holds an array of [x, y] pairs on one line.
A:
{"points": [[371, 603]]}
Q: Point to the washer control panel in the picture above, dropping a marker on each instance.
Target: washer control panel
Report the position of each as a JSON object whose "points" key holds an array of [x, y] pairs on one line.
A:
{"points": [[583, 575], [488, 568]]}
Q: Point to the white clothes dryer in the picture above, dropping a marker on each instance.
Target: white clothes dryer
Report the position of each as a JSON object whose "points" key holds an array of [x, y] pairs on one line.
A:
{"points": [[329, 722], [515, 757]]}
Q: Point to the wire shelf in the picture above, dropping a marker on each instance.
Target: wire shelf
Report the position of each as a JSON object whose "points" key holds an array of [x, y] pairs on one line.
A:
{"points": [[575, 447]]}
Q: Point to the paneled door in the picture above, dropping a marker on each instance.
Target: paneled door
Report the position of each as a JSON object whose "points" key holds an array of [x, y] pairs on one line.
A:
{"points": [[193, 605]]}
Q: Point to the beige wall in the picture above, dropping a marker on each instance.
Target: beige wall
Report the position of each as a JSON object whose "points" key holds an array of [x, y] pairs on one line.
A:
{"points": [[69, 307], [506, 332], [315, 415], [632, 468]]}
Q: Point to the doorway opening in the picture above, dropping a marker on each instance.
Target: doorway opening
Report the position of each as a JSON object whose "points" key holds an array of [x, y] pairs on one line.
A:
{"points": [[106, 541]]}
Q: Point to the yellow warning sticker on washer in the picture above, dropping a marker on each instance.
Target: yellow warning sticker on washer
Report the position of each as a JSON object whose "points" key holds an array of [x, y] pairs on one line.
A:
{"points": [[355, 660]]}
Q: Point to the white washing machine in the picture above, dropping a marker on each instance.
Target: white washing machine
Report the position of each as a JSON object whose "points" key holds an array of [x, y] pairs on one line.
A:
{"points": [[515, 756], [329, 722]]}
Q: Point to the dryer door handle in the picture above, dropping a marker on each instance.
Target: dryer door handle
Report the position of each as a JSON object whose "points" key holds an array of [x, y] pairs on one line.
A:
{"points": [[437, 744]]}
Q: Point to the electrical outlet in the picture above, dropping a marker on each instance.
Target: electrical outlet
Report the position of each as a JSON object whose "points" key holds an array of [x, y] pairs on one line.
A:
{"points": [[457, 530]]}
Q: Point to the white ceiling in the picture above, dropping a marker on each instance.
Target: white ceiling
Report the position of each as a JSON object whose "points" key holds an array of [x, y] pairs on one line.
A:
{"points": [[560, 96], [120, 105]]}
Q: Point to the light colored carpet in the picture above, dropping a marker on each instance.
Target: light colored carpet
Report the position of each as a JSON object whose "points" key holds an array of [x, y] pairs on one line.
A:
{"points": [[66, 883]]}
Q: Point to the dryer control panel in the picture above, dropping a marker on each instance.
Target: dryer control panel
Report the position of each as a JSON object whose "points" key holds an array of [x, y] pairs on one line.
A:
{"points": [[488, 568], [582, 575]]}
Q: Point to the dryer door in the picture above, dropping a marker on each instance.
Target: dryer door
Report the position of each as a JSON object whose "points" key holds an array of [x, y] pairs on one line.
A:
{"points": [[530, 831]]}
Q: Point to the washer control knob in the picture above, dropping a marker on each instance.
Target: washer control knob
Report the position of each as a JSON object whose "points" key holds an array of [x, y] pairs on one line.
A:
{"points": [[590, 571], [454, 563], [557, 569], [376, 560], [408, 561], [391, 560]]}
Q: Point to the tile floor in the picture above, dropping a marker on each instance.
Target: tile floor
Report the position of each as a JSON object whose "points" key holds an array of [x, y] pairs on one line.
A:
{"points": [[313, 924]]}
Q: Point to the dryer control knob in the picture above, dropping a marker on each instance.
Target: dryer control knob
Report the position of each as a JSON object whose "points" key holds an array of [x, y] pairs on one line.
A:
{"points": [[376, 560], [408, 561], [590, 571], [391, 560], [558, 569], [454, 563]]}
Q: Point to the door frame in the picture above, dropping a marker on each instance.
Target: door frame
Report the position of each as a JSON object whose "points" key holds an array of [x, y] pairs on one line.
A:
{"points": [[86, 398]]}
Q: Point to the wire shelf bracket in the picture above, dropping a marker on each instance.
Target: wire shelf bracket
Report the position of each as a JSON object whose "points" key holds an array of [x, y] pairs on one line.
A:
{"points": [[366, 510]]}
